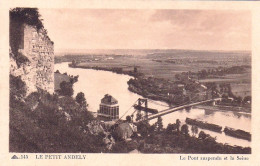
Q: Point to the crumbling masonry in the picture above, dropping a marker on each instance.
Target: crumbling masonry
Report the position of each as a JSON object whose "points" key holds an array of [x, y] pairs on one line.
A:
{"points": [[39, 49]]}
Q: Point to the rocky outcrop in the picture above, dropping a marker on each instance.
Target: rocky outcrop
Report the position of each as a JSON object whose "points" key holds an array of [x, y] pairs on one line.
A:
{"points": [[38, 70]]}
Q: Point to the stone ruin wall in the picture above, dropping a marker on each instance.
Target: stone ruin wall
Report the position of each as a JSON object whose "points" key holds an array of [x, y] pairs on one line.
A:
{"points": [[39, 49]]}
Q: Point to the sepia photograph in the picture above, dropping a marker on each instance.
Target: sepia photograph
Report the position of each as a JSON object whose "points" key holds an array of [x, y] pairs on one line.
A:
{"points": [[147, 81]]}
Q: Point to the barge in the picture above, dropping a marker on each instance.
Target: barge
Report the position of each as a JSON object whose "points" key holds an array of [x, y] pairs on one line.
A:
{"points": [[204, 125], [237, 133]]}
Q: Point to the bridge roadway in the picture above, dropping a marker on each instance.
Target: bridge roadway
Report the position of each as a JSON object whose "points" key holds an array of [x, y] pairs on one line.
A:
{"points": [[173, 109]]}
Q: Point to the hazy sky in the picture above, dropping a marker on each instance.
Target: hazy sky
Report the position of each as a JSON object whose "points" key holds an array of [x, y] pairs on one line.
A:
{"points": [[148, 29]]}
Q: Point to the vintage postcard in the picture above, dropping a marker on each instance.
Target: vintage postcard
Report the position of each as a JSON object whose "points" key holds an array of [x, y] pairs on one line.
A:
{"points": [[130, 83]]}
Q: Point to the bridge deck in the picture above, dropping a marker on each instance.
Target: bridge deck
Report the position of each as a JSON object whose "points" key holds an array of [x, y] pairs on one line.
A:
{"points": [[173, 109]]}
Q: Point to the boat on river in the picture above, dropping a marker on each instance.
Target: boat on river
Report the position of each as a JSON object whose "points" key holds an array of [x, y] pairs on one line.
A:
{"points": [[237, 133], [204, 125]]}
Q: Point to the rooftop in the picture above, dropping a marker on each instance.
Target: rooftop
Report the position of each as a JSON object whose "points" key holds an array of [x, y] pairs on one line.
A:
{"points": [[108, 99]]}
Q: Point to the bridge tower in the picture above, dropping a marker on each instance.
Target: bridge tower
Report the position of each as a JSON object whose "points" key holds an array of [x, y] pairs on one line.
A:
{"points": [[140, 103], [143, 106]]}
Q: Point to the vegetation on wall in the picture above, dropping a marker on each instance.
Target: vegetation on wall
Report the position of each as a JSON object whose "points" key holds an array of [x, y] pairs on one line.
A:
{"points": [[30, 16], [17, 87], [19, 17]]}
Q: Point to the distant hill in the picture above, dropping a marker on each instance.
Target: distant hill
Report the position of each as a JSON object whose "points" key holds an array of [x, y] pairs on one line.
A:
{"points": [[145, 52]]}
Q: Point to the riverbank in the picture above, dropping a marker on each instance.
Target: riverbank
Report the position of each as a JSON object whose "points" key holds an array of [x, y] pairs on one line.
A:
{"points": [[92, 82], [163, 87], [225, 108], [133, 73], [148, 95], [117, 70]]}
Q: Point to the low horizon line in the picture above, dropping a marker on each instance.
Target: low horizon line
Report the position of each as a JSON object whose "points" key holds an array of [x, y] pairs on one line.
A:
{"points": [[62, 50]]}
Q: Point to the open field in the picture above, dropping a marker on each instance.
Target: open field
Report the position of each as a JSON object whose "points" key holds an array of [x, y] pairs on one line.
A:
{"points": [[162, 63], [167, 63]]}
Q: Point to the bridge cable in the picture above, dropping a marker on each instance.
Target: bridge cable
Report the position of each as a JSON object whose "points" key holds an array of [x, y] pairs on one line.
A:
{"points": [[126, 111], [174, 106], [170, 109]]}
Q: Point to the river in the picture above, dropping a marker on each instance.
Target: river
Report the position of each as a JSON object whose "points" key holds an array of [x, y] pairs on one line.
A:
{"points": [[95, 84]]}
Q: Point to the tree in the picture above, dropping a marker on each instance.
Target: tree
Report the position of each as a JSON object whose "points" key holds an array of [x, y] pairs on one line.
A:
{"points": [[19, 17], [238, 99], [29, 16], [177, 76], [143, 128], [171, 127], [80, 98], [17, 87], [178, 122], [128, 118], [66, 88], [185, 129], [194, 130], [247, 99], [159, 124], [73, 63], [135, 69], [203, 135]]}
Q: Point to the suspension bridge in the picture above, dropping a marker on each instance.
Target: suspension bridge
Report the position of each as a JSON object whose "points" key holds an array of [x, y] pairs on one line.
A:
{"points": [[149, 113]]}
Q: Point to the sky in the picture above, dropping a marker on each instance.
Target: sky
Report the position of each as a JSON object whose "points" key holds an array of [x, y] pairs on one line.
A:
{"points": [[148, 29]]}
